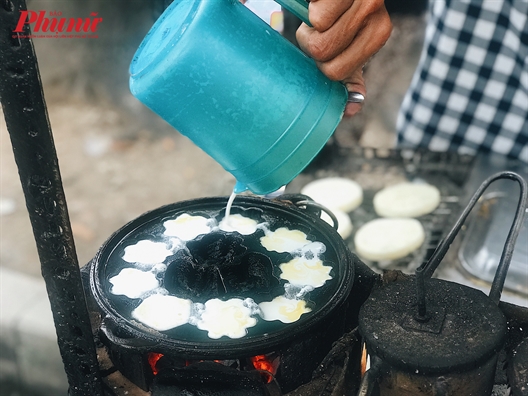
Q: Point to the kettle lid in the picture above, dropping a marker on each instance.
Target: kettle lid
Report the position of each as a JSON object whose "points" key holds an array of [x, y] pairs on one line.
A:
{"points": [[464, 328]]}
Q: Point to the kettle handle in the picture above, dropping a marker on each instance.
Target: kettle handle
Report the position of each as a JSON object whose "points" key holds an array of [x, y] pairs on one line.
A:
{"points": [[299, 8], [427, 269]]}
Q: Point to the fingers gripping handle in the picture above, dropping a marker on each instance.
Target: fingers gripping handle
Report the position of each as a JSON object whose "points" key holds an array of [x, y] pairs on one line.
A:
{"points": [[299, 8]]}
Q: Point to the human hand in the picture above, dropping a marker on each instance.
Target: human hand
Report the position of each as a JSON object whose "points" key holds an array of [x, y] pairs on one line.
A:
{"points": [[344, 36]]}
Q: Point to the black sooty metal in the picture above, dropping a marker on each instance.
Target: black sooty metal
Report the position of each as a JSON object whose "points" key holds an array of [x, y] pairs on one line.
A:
{"points": [[434, 337], [27, 121]]}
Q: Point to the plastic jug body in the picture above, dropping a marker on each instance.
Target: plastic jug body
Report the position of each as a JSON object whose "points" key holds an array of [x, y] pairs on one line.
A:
{"points": [[240, 91]]}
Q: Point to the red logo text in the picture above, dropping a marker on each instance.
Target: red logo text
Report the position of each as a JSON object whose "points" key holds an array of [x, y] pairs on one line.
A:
{"points": [[55, 23]]}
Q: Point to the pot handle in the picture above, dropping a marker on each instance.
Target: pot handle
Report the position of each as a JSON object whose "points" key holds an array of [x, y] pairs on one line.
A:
{"points": [[299, 8], [427, 269], [323, 208], [301, 200], [108, 328]]}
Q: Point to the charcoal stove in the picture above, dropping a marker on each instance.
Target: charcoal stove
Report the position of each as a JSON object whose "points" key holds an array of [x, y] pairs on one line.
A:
{"points": [[227, 265], [460, 312], [105, 354]]}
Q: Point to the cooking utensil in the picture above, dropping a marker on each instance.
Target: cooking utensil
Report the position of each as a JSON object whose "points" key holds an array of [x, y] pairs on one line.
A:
{"points": [[241, 92], [435, 337], [301, 344]]}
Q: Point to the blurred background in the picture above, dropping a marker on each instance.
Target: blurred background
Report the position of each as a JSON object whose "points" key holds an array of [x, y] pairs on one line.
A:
{"points": [[119, 160]]}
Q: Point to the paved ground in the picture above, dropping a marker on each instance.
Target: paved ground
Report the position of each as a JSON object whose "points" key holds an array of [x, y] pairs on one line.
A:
{"points": [[115, 166]]}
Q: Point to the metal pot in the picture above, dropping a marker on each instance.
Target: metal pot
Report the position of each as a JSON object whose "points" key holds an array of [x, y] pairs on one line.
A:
{"points": [[434, 337], [454, 352], [301, 345]]}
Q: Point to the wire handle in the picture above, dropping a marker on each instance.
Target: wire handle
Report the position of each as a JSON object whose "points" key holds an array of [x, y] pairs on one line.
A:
{"points": [[316, 205], [427, 269]]}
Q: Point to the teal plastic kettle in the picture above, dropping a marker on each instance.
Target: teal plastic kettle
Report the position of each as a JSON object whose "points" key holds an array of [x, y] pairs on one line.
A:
{"points": [[240, 91]]}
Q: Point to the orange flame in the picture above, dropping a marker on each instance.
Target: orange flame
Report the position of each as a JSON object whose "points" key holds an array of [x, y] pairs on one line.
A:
{"points": [[263, 363], [364, 360], [153, 358]]}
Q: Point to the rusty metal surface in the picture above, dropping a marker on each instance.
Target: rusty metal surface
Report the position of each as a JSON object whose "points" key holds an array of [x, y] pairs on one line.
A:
{"points": [[28, 125]]}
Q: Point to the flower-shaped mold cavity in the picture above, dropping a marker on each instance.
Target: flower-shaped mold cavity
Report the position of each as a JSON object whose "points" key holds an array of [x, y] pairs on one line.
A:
{"points": [[229, 318], [284, 240], [163, 312], [133, 283], [239, 223], [219, 265], [187, 227], [284, 309], [146, 252], [242, 221], [305, 272]]}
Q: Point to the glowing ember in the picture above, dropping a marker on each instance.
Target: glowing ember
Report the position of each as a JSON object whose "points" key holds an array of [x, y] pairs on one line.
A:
{"points": [[153, 358], [364, 360], [263, 363]]}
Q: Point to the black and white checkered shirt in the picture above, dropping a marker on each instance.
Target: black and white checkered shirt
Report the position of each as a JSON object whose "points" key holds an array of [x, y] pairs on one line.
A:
{"points": [[470, 91]]}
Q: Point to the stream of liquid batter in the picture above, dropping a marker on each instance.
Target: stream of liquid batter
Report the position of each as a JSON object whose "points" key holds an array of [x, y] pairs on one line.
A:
{"points": [[229, 205]]}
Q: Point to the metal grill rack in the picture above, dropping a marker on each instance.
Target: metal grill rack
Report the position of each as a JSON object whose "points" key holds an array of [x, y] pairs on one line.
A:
{"points": [[374, 169]]}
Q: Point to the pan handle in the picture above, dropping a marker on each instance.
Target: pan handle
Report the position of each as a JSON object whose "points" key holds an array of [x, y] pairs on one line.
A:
{"points": [[316, 205], [110, 329], [301, 200]]}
